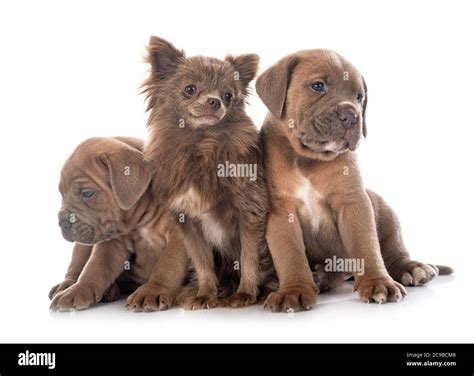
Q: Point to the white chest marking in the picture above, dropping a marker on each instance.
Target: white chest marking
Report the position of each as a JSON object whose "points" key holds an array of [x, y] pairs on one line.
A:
{"points": [[311, 209], [189, 202], [213, 230]]}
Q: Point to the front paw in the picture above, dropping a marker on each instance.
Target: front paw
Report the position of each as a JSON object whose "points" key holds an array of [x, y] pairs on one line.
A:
{"points": [[294, 298], [77, 296], [242, 299], [60, 287], [150, 297], [194, 302], [379, 289]]}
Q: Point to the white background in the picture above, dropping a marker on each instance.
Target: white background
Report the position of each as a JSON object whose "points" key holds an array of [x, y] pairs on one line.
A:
{"points": [[71, 70]]}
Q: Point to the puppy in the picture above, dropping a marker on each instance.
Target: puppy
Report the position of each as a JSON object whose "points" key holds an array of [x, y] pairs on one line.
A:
{"points": [[320, 209], [206, 151], [121, 234]]}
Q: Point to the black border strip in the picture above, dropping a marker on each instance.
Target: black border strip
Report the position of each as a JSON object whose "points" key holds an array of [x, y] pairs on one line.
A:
{"points": [[367, 359]]}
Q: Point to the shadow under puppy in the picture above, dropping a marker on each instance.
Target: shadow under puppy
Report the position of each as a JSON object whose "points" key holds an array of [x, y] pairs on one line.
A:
{"points": [[206, 151], [317, 102], [122, 236]]}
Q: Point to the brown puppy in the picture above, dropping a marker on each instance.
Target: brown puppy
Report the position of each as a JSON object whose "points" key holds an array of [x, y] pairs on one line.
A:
{"points": [[320, 209], [120, 232], [206, 151]]}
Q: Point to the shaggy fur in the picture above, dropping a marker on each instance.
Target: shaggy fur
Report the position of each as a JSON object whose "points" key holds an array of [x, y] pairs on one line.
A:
{"points": [[192, 133]]}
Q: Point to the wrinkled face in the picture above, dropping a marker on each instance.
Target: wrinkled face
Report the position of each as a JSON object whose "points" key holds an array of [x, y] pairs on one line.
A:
{"points": [[89, 212], [101, 182], [326, 101], [205, 91]]}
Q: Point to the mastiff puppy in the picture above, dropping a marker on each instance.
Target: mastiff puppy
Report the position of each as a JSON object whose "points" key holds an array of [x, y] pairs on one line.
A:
{"points": [[320, 208], [122, 237]]}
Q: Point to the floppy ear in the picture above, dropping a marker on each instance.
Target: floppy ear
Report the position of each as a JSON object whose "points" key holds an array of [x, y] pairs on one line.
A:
{"points": [[163, 57], [364, 106], [246, 66], [272, 84], [129, 174]]}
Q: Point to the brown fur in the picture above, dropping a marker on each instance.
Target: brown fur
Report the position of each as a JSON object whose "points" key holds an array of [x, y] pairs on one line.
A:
{"points": [[120, 232], [309, 139], [188, 138]]}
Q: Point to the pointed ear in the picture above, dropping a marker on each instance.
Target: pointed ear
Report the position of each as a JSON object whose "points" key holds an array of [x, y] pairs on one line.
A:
{"points": [[163, 57], [246, 67], [272, 84], [129, 174], [364, 106]]}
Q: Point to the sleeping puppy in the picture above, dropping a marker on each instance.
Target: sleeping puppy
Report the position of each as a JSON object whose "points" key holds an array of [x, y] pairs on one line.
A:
{"points": [[320, 208], [121, 235], [206, 151]]}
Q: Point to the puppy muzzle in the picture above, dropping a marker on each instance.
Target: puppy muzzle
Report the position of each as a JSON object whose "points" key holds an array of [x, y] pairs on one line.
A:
{"points": [[336, 130], [207, 111], [74, 230]]}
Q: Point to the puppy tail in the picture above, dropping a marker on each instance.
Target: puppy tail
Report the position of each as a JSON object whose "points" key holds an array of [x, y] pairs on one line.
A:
{"points": [[444, 270]]}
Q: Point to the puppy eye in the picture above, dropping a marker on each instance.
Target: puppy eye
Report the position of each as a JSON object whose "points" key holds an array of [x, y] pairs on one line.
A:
{"points": [[317, 86], [360, 97], [87, 193], [190, 90], [228, 97]]}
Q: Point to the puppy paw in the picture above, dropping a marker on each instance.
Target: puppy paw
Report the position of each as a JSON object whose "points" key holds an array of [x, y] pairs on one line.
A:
{"points": [[379, 289], [112, 293], [412, 273], [150, 297], [60, 287], [242, 299], [294, 299], [200, 302], [77, 296]]}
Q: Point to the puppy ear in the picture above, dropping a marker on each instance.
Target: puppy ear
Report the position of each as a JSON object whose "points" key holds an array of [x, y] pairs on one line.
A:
{"points": [[272, 84], [163, 57], [364, 106], [129, 174], [246, 66]]}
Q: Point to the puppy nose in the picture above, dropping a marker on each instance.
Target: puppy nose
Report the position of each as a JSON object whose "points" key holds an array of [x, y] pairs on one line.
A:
{"points": [[65, 224], [215, 103], [347, 115]]}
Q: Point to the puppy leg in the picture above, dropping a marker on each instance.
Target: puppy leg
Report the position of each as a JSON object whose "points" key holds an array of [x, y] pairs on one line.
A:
{"points": [[104, 266], [249, 268], [297, 289], [80, 255], [200, 253], [356, 225], [167, 278], [395, 255]]}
